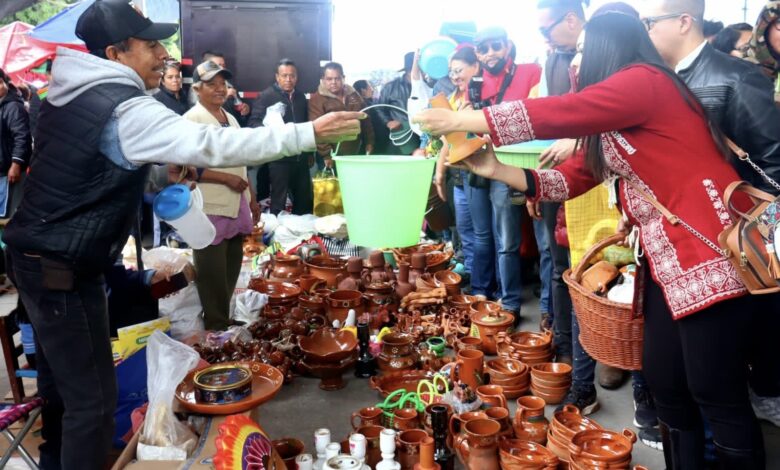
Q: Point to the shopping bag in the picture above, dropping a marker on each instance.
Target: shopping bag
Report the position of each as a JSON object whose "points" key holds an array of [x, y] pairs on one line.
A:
{"points": [[327, 194]]}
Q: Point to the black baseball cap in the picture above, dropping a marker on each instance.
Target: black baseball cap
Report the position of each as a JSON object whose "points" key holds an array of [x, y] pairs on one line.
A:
{"points": [[408, 62], [108, 22]]}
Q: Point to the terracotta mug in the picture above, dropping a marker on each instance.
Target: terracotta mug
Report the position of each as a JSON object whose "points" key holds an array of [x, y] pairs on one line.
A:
{"points": [[501, 415], [373, 453], [530, 423], [307, 282], [288, 449], [408, 447], [468, 368], [369, 416], [406, 419], [477, 447], [468, 342], [492, 395], [457, 422]]}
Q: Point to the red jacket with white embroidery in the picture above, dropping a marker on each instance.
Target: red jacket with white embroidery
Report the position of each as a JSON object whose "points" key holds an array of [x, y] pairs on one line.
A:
{"points": [[651, 137]]}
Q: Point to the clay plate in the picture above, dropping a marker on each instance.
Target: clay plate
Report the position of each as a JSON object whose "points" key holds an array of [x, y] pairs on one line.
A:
{"points": [[328, 346], [389, 382], [266, 383]]}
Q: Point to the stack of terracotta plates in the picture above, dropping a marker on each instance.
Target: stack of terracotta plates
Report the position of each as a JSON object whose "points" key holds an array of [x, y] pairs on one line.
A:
{"points": [[511, 374], [526, 346], [551, 381]]}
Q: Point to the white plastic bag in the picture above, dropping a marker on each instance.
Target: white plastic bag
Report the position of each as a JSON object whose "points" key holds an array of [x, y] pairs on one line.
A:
{"points": [[163, 258], [332, 225], [184, 310], [274, 115], [248, 306], [165, 437]]}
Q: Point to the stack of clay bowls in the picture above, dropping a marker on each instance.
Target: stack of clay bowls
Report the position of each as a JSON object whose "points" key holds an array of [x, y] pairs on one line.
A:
{"points": [[516, 454], [601, 449], [511, 374], [526, 346], [564, 425], [551, 381]]}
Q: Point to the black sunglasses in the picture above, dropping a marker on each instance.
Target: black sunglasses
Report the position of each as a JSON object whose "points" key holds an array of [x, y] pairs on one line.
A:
{"points": [[546, 32], [495, 46]]}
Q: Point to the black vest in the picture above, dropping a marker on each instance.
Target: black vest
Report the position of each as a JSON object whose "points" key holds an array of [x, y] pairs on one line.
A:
{"points": [[78, 206]]}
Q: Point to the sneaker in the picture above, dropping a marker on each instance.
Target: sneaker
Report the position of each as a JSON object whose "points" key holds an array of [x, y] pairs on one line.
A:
{"points": [[651, 437], [583, 398], [766, 408], [645, 415]]}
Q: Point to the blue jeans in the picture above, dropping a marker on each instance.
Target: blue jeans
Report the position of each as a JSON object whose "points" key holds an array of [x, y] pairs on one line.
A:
{"points": [[583, 366], [483, 265], [507, 223], [545, 265], [464, 225]]}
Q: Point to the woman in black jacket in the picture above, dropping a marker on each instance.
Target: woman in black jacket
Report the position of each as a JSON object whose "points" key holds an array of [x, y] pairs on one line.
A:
{"points": [[170, 93], [15, 145]]}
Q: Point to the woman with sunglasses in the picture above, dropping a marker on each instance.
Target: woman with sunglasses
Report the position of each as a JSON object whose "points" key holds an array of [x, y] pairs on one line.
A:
{"points": [[643, 126]]}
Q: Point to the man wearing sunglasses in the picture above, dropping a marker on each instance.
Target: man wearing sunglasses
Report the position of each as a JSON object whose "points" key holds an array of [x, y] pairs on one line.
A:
{"points": [[503, 80], [740, 98]]}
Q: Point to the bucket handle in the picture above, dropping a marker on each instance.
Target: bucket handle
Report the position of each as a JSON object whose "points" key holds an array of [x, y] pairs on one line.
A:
{"points": [[398, 141]]}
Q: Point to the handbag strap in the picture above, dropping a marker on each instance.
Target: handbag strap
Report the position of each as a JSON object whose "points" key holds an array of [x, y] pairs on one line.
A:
{"points": [[745, 157], [755, 195]]}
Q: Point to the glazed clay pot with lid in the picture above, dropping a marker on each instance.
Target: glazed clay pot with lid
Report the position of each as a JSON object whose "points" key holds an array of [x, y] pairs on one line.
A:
{"points": [[487, 322]]}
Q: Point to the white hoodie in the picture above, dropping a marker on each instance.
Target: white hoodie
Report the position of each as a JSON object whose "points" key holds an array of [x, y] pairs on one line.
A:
{"points": [[149, 132]]}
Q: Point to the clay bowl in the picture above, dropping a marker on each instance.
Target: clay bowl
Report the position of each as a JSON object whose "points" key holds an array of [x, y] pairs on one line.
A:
{"points": [[537, 382], [534, 359], [603, 446], [552, 396], [330, 270], [517, 454], [389, 382], [505, 368], [449, 280], [558, 447], [568, 422], [279, 293], [551, 371], [513, 382], [340, 302], [531, 342], [288, 448], [510, 393], [328, 346], [462, 302], [437, 261]]}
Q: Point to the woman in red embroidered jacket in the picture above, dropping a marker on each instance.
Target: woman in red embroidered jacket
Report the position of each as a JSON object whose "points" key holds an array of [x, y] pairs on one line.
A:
{"points": [[643, 125]]}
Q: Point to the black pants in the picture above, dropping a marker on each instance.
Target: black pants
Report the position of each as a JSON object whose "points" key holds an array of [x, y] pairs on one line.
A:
{"points": [[561, 302], [765, 354], [76, 375], [700, 363], [291, 175]]}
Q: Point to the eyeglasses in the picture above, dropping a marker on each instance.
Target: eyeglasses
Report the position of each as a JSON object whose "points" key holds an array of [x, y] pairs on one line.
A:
{"points": [[650, 21], [546, 32], [743, 50], [495, 46]]}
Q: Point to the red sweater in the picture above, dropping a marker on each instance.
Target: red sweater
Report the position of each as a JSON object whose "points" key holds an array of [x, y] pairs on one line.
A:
{"points": [[526, 77], [651, 137]]}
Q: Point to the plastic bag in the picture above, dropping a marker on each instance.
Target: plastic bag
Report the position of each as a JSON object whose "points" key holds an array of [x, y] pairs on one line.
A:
{"points": [[327, 194], [333, 226], [270, 222], [248, 306], [274, 115], [184, 309], [164, 437], [163, 258]]}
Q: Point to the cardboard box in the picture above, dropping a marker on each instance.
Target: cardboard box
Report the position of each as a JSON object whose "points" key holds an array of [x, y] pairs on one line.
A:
{"points": [[201, 459]]}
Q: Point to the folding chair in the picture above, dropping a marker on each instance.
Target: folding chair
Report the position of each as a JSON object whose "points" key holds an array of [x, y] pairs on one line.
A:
{"points": [[11, 413]]}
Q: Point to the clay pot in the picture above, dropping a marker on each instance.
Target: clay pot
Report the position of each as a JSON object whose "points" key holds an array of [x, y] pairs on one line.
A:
{"points": [[286, 267], [373, 453], [530, 423], [308, 282], [491, 395], [490, 322], [288, 448], [477, 447], [458, 422], [405, 419], [468, 368], [398, 353], [501, 415], [408, 447], [328, 346], [330, 270], [468, 342], [369, 416], [403, 287], [381, 300], [596, 447], [340, 302], [517, 454], [449, 280]]}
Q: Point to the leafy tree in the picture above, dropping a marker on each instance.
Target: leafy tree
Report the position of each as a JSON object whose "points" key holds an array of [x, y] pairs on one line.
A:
{"points": [[38, 13]]}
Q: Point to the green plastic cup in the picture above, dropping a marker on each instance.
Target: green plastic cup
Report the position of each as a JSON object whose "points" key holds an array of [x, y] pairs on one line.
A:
{"points": [[525, 155], [384, 198]]}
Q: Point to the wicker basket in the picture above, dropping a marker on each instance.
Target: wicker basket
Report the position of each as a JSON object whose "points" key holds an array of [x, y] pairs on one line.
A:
{"points": [[609, 331]]}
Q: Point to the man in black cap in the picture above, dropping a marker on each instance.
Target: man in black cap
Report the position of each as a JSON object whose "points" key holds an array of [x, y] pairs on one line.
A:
{"points": [[397, 93], [98, 131]]}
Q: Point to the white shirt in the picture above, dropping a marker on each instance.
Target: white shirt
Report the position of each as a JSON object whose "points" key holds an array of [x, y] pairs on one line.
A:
{"points": [[688, 60]]}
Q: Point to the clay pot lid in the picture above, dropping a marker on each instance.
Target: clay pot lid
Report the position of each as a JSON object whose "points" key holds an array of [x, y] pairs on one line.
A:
{"points": [[485, 315], [328, 345], [527, 452]]}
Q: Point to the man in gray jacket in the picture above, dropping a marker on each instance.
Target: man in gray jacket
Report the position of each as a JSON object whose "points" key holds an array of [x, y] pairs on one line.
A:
{"points": [[97, 134]]}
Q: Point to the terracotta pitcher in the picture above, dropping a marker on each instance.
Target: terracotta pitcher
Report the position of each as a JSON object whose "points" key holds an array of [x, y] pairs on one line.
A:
{"points": [[458, 422], [477, 448], [530, 423], [501, 415], [405, 419], [491, 395], [369, 416], [468, 368]]}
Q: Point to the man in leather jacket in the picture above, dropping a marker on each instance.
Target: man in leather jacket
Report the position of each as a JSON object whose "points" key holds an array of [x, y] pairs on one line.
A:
{"points": [[738, 97]]}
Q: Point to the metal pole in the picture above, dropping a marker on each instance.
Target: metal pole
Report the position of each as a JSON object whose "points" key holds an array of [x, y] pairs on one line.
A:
{"points": [[744, 12]]}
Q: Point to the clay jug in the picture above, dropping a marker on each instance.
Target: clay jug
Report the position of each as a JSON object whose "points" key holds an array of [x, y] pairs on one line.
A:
{"points": [[404, 286], [530, 423], [477, 448]]}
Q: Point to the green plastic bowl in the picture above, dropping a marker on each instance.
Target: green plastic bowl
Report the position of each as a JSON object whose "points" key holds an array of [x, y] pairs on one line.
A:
{"points": [[525, 155], [384, 198]]}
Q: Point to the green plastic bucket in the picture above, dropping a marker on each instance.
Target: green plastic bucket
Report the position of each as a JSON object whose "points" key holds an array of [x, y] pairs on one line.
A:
{"points": [[384, 198], [525, 155]]}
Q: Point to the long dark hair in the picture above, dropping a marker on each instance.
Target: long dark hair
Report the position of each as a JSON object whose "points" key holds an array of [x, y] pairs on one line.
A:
{"points": [[614, 41], [7, 80]]}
